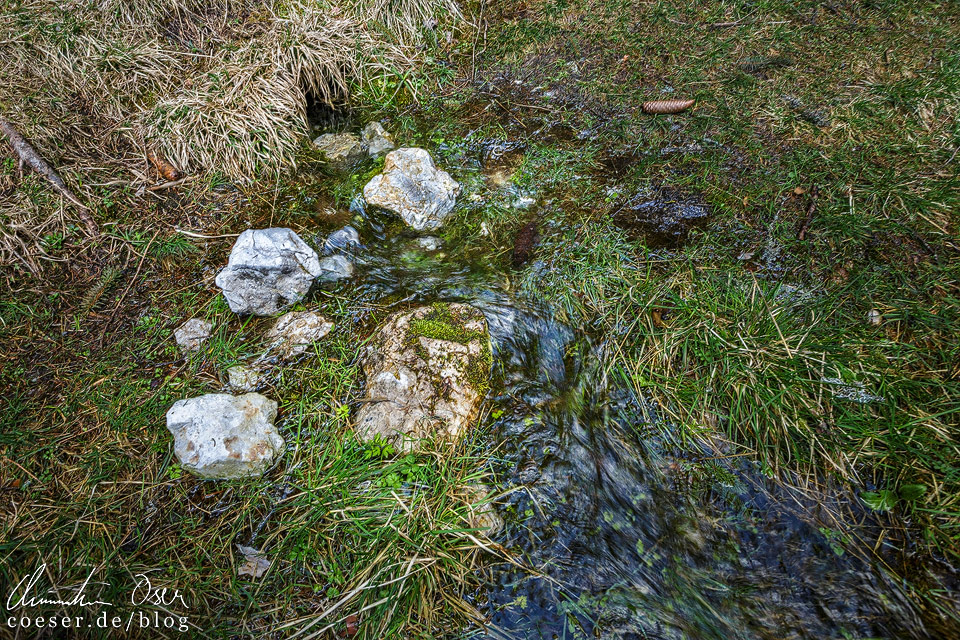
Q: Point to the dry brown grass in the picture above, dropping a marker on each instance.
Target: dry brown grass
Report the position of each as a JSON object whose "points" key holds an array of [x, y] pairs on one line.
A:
{"points": [[214, 86]]}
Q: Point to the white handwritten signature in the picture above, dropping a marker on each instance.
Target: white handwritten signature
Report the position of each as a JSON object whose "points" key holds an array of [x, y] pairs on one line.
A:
{"points": [[26, 593]]}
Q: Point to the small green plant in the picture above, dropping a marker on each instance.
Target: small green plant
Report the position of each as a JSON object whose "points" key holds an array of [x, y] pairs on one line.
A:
{"points": [[378, 449], [886, 499], [406, 470]]}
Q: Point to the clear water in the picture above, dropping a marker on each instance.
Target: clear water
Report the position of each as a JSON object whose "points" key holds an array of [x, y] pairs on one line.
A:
{"points": [[629, 535]]}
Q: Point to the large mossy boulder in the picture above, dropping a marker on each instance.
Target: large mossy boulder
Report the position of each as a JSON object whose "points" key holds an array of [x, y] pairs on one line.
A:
{"points": [[427, 371]]}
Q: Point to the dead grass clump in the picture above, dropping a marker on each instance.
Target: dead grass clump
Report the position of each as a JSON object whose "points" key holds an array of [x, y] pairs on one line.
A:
{"points": [[214, 86], [249, 111], [404, 17]]}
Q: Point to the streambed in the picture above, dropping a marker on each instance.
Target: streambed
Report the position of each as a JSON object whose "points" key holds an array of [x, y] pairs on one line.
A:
{"points": [[625, 532]]}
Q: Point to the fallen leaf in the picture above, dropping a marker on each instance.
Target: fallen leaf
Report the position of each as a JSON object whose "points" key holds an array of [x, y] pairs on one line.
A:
{"points": [[256, 565], [352, 626], [799, 191]]}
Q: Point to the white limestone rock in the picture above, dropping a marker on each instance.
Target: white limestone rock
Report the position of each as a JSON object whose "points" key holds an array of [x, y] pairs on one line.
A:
{"points": [[223, 436], [412, 187], [243, 377], [427, 371], [294, 332], [191, 335], [377, 139], [341, 149], [268, 271]]}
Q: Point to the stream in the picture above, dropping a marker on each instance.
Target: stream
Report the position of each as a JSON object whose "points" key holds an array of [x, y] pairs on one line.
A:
{"points": [[629, 534]]}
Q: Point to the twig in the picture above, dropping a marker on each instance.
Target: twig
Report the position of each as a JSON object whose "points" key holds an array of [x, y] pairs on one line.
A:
{"points": [[192, 234], [28, 155], [172, 183], [811, 210]]}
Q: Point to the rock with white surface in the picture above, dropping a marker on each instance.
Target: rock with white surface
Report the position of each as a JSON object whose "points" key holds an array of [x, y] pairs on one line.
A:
{"points": [[412, 187], [268, 271], [294, 332], [223, 436], [377, 139], [191, 335], [427, 371]]}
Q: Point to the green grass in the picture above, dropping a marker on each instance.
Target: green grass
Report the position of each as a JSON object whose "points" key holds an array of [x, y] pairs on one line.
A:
{"points": [[348, 528], [747, 329]]}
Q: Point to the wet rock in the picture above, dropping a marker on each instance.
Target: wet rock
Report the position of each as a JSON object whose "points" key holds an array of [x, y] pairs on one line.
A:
{"points": [[429, 243], [412, 187], [341, 149], [191, 335], [524, 202], [662, 219], [333, 268], [243, 378], [268, 270], [483, 513], [341, 240], [294, 332], [427, 371], [377, 139], [255, 562], [223, 436], [524, 244]]}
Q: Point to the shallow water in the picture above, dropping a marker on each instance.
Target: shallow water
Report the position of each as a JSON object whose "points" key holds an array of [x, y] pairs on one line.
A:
{"points": [[629, 535]]}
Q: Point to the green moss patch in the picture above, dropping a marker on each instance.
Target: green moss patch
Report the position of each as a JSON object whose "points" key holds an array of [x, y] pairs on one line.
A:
{"points": [[442, 322]]}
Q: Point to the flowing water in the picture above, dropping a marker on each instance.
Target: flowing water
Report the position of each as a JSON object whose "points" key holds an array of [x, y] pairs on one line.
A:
{"points": [[628, 534]]}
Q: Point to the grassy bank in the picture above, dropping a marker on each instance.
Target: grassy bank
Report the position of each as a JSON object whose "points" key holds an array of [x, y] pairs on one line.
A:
{"points": [[813, 316]]}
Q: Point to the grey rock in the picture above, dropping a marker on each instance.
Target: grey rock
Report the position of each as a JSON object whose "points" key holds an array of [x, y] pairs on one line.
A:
{"points": [[333, 268], [341, 149], [377, 139], [191, 335], [426, 371], [428, 243], [223, 436], [341, 240], [268, 270], [294, 332], [412, 187], [482, 511], [242, 377]]}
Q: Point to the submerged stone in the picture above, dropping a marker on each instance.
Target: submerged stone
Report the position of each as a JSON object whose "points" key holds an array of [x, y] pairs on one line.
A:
{"points": [[341, 240], [427, 371], [333, 268], [223, 436], [429, 243], [341, 149], [662, 219], [412, 187], [377, 139], [268, 271]]}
